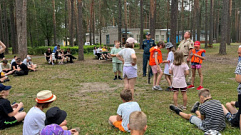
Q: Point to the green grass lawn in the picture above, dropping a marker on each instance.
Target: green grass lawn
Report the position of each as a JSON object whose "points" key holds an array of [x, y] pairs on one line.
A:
{"points": [[87, 92]]}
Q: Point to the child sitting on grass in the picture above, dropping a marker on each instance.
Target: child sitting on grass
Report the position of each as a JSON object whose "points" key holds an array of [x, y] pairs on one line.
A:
{"points": [[179, 69], [34, 120], [138, 123], [210, 115], [231, 113], [154, 62], [56, 116], [196, 61], [168, 62], [121, 120], [9, 114]]}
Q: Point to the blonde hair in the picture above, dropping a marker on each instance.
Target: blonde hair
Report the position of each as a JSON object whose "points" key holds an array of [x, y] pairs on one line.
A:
{"points": [[204, 92], [137, 121], [178, 58]]}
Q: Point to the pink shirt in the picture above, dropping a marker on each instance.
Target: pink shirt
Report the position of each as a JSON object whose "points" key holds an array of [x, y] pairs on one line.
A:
{"points": [[179, 80]]}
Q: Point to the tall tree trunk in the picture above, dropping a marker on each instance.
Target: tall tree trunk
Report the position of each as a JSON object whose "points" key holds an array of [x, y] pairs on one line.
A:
{"points": [[222, 49], [236, 26], [217, 29], [93, 21], [54, 21], [125, 10], [65, 22], [197, 18], [182, 22], [240, 26], [6, 27], [71, 32], [80, 32], [211, 23], [206, 26], [152, 18], [13, 28], [194, 22], [1, 25], [21, 18], [229, 22], [141, 22], [100, 24], [119, 21], [168, 20], [174, 9]]}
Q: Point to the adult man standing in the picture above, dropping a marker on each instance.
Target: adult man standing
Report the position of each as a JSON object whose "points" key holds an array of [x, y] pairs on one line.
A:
{"points": [[186, 47], [147, 44]]}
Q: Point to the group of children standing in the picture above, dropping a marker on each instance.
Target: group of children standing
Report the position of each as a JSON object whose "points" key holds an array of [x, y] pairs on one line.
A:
{"points": [[175, 65]]}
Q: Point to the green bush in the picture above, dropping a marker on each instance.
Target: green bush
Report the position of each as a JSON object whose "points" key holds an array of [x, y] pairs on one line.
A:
{"points": [[42, 49], [74, 50]]}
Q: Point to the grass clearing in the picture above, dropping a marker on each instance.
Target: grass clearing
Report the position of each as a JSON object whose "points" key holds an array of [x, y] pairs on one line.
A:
{"points": [[87, 92]]}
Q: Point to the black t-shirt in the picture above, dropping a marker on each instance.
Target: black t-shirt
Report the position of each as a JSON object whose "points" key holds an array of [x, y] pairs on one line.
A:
{"points": [[24, 68], [14, 64], [5, 109], [48, 53]]}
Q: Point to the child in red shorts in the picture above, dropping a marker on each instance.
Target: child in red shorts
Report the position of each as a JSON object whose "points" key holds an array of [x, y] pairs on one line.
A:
{"points": [[154, 62], [196, 61]]}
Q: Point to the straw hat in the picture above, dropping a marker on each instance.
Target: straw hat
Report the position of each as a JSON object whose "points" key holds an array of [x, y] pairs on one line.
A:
{"points": [[45, 96]]}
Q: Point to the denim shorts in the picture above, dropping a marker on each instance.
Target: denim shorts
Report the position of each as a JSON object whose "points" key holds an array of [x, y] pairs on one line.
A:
{"points": [[196, 121], [129, 72]]}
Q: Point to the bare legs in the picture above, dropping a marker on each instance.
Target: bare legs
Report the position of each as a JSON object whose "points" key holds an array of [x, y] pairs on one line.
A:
{"points": [[130, 84], [184, 96]]}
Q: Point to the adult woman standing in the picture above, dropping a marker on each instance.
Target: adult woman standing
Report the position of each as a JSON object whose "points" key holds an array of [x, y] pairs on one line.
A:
{"points": [[128, 57]]}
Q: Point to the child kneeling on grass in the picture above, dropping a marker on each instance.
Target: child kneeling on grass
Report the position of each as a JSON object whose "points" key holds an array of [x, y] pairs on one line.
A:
{"points": [[138, 123], [179, 69], [9, 114], [34, 120], [196, 61], [154, 62], [210, 115], [56, 116], [121, 120]]}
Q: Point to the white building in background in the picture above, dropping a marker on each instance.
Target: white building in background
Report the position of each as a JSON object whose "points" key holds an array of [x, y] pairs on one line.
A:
{"points": [[110, 34]]}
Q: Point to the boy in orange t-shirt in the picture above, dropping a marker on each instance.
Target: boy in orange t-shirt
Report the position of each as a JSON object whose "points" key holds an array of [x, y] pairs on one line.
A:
{"points": [[155, 60]]}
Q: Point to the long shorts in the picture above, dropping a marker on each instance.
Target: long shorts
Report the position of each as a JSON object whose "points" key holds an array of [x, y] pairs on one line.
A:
{"points": [[198, 66], [196, 121], [117, 67], [234, 120], [9, 122], [181, 89], [154, 69], [118, 124], [129, 72]]}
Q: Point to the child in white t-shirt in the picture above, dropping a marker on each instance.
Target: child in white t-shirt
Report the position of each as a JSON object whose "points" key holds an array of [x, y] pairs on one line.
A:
{"points": [[121, 120], [168, 62]]}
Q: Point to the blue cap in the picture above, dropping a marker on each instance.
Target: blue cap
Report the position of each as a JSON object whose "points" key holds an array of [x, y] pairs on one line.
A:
{"points": [[3, 87], [148, 33]]}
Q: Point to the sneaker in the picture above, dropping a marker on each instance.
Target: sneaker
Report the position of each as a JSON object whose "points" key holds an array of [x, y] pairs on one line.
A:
{"points": [[168, 89], [159, 88], [190, 87], [183, 107], [175, 109], [115, 78], [228, 116], [154, 88], [119, 78], [200, 87], [195, 107]]}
